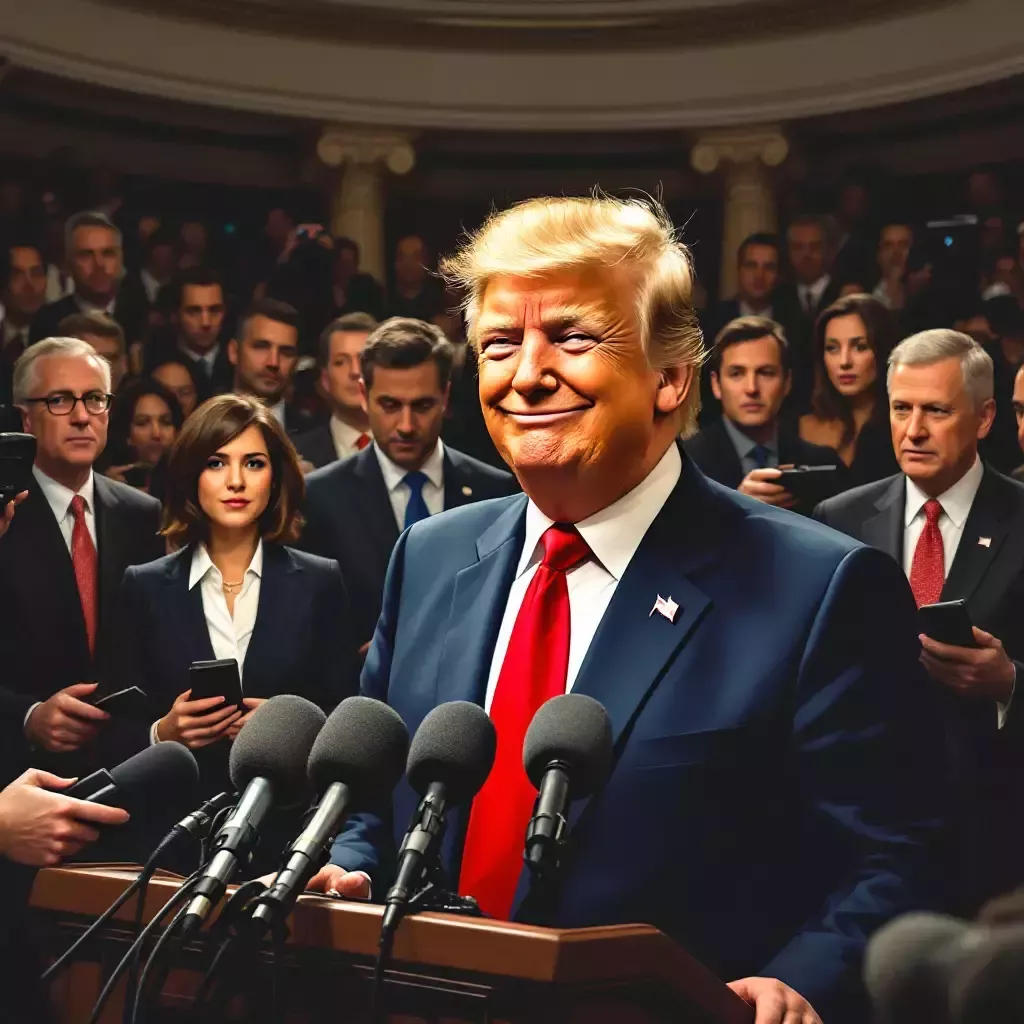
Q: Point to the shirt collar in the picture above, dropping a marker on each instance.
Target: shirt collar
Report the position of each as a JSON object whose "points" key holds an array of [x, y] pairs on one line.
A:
{"points": [[88, 307], [744, 310], [818, 287], [202, 564], [614, 533], [11, 332], [344, 436], [956, 502], [432, 469], [279, 411], [744, 444], [59, 497]]}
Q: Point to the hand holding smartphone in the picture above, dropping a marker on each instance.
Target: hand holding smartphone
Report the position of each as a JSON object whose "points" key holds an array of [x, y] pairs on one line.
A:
{"points": [[215, 679], [947, 622]]}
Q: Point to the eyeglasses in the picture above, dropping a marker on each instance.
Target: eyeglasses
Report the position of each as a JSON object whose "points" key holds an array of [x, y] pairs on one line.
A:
{"points": [[62, 403]]}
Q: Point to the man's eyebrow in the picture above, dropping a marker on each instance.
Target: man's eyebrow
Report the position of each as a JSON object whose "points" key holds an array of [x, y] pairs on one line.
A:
{"points": [[560, 319]]}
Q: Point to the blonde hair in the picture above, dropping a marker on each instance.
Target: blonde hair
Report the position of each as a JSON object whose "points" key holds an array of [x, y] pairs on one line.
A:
{"points": [[544, 236]]}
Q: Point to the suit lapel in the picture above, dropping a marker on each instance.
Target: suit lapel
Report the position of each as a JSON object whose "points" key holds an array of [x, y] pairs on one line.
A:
{"points": [[725, 455], [988, 521], [272, 612], [477, 608], [884, 530], [186, 609], [109, 541], [458, 489], [375, 506]]}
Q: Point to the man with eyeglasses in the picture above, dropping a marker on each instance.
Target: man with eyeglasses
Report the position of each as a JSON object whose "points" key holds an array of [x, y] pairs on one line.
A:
{"points": [[61, 564]]}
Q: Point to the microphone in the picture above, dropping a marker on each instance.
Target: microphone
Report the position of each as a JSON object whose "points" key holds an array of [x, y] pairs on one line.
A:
{"points": [[163, 778], [909, 964], [354, 765], [268, 767], [450, 758], [567, 754]]}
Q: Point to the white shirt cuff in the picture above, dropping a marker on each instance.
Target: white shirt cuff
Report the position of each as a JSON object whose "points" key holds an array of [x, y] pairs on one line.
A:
{"points": [[153, 738], [24, 724], [1004, 709]]}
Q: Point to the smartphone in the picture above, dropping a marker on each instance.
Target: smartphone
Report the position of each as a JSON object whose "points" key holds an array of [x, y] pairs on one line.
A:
{"points": [[947, 622], [810, 483], [17, 453], [130, 702], [215, 679]]}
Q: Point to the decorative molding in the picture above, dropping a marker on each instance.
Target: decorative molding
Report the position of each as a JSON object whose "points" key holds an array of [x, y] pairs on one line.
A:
{"points": [[759, 80], [338, 145], [739, 146]]}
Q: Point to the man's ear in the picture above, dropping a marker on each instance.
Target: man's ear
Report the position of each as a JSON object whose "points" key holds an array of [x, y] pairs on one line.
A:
{"points": [[716, 385], [788, 385], [447, 396], [364, 396], [233, 351], [673, 386]]}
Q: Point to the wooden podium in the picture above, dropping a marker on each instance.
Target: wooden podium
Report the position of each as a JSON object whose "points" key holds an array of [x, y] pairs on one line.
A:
{"points": [[444, 968]]}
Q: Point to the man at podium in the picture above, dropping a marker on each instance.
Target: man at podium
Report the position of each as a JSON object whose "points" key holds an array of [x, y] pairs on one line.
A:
{"points": [[775, 793]]}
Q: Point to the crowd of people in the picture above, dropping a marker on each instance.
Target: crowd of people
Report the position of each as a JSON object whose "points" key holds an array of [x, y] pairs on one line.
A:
{"points": [[225, 474]]}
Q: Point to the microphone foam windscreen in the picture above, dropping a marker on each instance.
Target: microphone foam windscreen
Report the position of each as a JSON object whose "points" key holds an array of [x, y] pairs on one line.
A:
{"points": [[364, 745], [162, 778], [576, 730], [454, 745], [275, 744]]}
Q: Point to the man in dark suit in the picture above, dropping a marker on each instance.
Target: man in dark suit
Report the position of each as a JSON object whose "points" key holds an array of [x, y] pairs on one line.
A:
{"points": [[772, 796], [750, 376], [347, 432], [61, 565], [1018, 412], [356, 508], [265, 353], [198, 305], [22, 294], [92, 245], [798, 301], [957, 528]]}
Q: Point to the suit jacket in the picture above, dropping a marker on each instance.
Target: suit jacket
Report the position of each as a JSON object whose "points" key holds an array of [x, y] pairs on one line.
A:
{"points": [[220, 380], [349, 518], [128, 312], [716, 457], [42, 629], [988, 761], [773, 792], [317, 446], [301, 642], [800, 332]]}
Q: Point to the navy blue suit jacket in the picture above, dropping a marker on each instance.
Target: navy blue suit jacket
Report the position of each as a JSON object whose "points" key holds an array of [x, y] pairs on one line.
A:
{"points": [[774, 796]]}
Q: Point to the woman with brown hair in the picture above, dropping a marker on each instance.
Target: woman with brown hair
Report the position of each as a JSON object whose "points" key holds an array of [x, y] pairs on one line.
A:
{"points": [[849, 406], [232, 589]]}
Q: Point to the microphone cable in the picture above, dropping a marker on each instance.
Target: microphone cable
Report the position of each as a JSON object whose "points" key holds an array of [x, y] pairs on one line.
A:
{"points": [[181, 893], [166, 937], [141, 883]]}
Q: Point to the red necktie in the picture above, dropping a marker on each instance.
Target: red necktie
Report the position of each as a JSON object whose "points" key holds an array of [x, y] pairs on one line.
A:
{"points": [[534, 670], [362, 441], [928, 570], [83, 558]]}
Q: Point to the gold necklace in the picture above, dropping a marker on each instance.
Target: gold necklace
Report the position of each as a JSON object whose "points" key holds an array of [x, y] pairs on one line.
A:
{"points": [[231, 588]]}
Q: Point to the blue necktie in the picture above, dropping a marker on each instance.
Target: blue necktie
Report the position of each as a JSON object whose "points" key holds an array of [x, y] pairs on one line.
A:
{"points": [[760, 455], [417, 507]]}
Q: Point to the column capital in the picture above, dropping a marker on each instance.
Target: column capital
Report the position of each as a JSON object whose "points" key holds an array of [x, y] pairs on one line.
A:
{"points": [[338, 145], [766, 144]]}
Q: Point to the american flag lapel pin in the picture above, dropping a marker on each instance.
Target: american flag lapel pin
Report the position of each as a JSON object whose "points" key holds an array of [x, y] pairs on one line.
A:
{"points": [[665, 606], [467, 490], [985, 542]]}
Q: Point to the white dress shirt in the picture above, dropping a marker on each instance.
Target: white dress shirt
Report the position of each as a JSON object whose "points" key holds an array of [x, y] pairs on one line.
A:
{"points": [[345, 438], [810, 294], [956, 505], [150, 284], [613, 535], [12, 334], [229, 635], [59, 499], [205, 359], [279, 412], [88, 307], [398, 489]]}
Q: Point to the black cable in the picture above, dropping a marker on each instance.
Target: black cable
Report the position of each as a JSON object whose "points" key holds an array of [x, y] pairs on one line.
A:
{"points": [[153, 960], [211, 972], [387, 941], [181, 893]]}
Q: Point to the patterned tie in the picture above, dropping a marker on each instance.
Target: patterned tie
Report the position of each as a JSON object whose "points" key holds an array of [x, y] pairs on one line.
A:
{"points": [[83, 558], [535, 669], [362, 441], [417, 507], [760, 456], [928, 570]]}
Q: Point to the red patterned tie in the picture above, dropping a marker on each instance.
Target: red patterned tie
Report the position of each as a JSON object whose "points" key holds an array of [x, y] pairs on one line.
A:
{"points": [[362, 441], [83, 558], [928, 570], [534, 670]]}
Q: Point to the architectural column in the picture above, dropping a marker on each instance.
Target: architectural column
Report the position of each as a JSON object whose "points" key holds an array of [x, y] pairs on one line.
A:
{"points": [[743, 154], [357, 204]]}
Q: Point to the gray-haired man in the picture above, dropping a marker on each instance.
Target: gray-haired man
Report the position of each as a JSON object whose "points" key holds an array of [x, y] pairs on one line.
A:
{"points": [[957, 528]]}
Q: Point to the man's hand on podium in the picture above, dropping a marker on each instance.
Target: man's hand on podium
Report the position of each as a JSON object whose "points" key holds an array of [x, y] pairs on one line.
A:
{"points": [[336, 881], [774, 1002]]}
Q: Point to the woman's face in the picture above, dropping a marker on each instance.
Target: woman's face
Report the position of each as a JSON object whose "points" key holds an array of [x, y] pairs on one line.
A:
{"points": [[849, 358], [152, 429], [234, 488], [179, 382]]}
